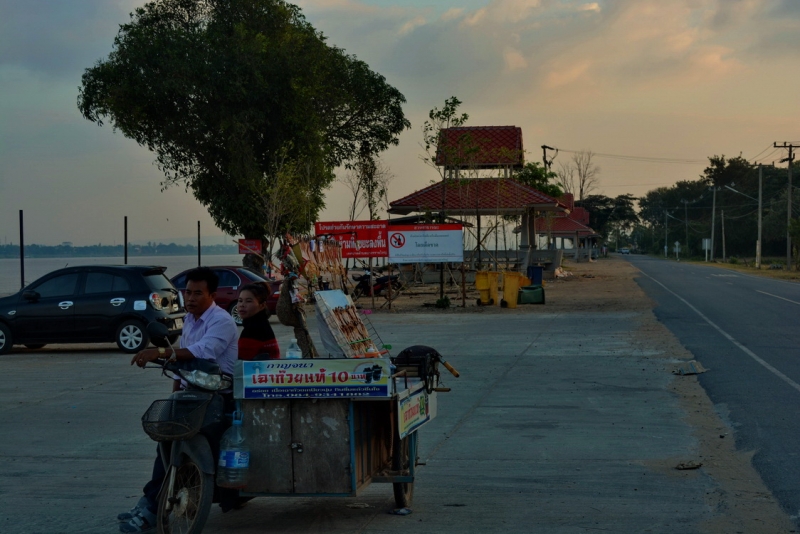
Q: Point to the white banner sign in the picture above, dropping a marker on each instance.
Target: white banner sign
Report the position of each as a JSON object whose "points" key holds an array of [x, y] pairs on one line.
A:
{"points": [[426, 243]]}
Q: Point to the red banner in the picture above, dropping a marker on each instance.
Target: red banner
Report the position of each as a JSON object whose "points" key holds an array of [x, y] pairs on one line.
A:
{"points": [[249, 246], [359, 239]]}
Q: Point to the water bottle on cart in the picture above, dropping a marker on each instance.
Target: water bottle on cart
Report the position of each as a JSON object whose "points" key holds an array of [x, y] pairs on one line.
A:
{"points": [[234, 457]]}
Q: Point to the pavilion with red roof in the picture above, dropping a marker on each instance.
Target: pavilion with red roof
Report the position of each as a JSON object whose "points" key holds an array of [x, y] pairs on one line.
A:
{"points": [[466, 149]]}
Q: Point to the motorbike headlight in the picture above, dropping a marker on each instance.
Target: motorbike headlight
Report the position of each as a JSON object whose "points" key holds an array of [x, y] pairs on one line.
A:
{"points": [[203, 380]]}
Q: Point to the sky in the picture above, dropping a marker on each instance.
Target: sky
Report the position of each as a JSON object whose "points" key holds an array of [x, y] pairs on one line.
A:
{"points": [[677, 80]]}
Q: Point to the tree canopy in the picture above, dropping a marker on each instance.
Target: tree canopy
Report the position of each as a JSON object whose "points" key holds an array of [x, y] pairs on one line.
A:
{"points": [[607, 214], [535, 175], [231, 94]]}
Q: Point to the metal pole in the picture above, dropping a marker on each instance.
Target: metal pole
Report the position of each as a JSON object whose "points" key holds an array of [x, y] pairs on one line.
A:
{"points": [[125, 246], [686, 219], [198, 244], [21, 251], [758, 242], [722, 220], [713, 215], [789, 215]]}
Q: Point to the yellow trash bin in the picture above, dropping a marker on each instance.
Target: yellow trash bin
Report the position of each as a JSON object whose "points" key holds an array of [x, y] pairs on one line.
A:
{"points": [[494, 282], [482, 285], [511, 286]]}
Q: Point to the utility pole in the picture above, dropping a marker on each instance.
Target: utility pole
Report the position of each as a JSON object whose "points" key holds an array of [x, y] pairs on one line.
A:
{"points": [[790, 160], [686, 220], [547, 164], [666, 243], [758, 243], [713, 215], [722, 218]]}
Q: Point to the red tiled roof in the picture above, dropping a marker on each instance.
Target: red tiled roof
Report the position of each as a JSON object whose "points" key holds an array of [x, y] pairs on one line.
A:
{"points": [[497, 146], [562, 227], [487, 196]]}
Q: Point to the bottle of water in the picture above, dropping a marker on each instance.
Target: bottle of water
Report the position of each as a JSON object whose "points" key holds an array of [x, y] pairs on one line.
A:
{"points": [[293, 352], [234, 457]]}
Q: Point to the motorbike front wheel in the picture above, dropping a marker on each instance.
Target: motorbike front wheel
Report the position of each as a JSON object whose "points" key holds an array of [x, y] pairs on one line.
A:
{"points": [[184, 509]]}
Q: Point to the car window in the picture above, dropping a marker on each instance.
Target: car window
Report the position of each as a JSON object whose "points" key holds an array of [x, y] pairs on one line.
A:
{"points": [[250, 275], [59, 286], [105, 283], [158, 281], [180, 282], [227, 279]]}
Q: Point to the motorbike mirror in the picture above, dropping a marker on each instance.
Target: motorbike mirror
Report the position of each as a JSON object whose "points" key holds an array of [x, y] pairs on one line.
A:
{"points": [[158, 334], [30, 294]]}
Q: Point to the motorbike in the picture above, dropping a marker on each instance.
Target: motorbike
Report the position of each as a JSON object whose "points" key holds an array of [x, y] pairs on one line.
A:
{"points": [[379, 285], [188, 427]]}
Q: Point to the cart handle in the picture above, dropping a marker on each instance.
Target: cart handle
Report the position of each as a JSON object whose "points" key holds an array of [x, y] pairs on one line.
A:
{"points": [[451, 369]]}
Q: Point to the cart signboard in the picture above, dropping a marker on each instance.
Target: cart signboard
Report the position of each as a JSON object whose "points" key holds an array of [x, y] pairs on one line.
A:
{"points": [[414, 411], [426, 243], [318, 378], [359, 239]]}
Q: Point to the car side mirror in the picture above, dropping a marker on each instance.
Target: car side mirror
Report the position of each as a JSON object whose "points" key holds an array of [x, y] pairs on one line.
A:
{"points": [[30, 294], [158, 334]]}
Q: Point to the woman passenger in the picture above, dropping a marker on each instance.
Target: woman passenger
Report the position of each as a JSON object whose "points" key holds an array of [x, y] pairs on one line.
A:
{"points": [[257, 341]]}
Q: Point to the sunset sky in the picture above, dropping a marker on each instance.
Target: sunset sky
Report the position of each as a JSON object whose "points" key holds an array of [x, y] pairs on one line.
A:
{"points": [[675, 80]]}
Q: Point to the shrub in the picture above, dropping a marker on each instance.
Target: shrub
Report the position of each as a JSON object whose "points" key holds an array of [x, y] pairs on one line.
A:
{"points": [[443, 302]]}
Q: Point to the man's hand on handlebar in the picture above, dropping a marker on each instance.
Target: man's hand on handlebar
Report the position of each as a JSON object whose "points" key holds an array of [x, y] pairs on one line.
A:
{"points": [[144, 356]]}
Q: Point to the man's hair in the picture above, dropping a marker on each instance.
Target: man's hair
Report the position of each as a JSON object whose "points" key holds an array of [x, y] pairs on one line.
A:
{"points": [[259, 291], [204, 274]]}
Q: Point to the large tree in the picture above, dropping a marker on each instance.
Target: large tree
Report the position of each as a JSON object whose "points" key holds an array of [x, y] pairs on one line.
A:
{"points": [[231, 95]]}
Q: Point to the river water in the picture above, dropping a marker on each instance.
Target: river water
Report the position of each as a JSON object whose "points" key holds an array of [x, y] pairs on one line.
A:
{"points": [[37, 267]]}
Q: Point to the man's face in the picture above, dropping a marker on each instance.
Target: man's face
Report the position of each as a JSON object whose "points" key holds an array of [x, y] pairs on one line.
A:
{"points": [[197, 299]]}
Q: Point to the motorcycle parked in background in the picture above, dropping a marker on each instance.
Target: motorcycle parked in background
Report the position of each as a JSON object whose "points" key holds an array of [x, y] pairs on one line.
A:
{"points": [[380, 285]]}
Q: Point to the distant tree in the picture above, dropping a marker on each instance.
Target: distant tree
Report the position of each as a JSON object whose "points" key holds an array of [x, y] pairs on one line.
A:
{"points": [[607, 214], [580, 175], [231, 94]]}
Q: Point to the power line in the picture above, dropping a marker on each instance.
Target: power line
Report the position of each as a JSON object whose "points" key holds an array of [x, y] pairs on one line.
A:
{"points": [[643, 159]]}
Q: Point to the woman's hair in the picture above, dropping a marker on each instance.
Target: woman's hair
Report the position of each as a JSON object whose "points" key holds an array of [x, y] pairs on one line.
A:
{"points": [[259, 291]]}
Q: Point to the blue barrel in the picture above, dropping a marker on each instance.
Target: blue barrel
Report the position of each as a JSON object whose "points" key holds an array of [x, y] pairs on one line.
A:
{"points": [[535, 273]]}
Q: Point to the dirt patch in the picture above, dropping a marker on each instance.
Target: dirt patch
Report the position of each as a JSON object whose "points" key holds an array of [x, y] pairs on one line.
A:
{"points": [[740, 502]]}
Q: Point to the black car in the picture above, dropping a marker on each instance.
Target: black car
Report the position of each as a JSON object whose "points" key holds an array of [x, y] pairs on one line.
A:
{"points": [[92, 304]]}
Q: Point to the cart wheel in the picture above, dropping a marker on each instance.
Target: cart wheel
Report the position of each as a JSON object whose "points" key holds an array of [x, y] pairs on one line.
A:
{"points": [[403, 454], [478, 302], [503, 303]]}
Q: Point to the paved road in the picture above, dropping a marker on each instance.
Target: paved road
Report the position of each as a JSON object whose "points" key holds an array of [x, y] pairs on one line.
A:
{"points": [[548, 430], [745, 330]]}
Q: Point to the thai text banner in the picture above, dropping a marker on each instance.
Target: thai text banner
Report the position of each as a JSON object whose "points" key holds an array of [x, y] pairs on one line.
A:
{"points": [[414, 411], [323, 378], [359, 239], [426, 243]]}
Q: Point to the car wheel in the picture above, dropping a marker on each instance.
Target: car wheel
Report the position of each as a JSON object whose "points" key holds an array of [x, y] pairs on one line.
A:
{"points": [[234, 311], [34, 346], [132, 336], [5, 339]]}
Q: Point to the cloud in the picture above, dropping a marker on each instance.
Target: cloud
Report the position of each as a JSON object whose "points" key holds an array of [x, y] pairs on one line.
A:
{"points": [[409, 26], [58, 38]]}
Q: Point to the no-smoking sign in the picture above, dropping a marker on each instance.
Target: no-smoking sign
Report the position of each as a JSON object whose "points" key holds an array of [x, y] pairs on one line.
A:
{"points": [[397, 240]]}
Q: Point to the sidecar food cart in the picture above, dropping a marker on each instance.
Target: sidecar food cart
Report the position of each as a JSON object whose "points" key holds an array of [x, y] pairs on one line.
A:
{"points": [[333, 426]]}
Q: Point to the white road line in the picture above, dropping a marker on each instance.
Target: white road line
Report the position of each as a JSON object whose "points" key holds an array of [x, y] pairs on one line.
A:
{"points": [[777, 297], [744, 349]]}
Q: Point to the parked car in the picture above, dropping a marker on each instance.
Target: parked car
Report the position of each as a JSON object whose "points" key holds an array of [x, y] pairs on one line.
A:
{"points": [[231, 278], [624, 251], [92, 304]]}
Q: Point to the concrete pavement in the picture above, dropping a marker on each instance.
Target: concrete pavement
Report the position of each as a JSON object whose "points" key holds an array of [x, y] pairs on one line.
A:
{"points": [[561, 422]]}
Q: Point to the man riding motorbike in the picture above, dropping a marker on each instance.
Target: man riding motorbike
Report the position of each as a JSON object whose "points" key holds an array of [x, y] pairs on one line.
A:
{"points": [[209, 333]]}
